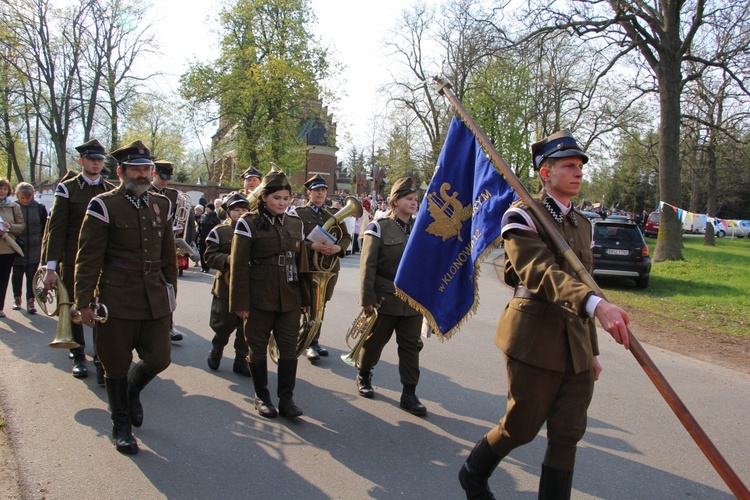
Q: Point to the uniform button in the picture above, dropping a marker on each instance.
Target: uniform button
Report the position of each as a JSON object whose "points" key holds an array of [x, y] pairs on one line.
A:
{"points": [[567, 304], [570, 240], [145, 239]]}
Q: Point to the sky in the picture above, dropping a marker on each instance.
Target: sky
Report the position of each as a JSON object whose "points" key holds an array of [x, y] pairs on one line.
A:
{"points": [[353, 32]]}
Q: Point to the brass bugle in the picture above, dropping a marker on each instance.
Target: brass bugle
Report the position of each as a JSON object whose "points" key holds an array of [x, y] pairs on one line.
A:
{"points": [[59, 297]]}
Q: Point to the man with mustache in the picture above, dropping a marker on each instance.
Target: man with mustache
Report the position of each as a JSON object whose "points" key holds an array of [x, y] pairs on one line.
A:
{"points": [[127, 255]]}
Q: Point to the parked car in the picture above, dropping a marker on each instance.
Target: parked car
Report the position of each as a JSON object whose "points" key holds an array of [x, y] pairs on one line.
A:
{"points": [[738, 228], [652, 225], [592, 216], [620, 251], [619, 217]]}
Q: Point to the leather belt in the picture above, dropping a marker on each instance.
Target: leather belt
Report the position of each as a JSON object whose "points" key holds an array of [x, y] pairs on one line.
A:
{"points": [[521, 292], [276, 260], [144, 266]]}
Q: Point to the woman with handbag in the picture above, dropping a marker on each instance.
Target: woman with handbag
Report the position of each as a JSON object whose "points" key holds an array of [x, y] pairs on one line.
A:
{"points": [[11, 225]]}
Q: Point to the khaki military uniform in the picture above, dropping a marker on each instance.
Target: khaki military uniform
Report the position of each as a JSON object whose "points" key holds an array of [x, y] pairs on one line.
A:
{"points": [[311, 219], [169, 192], [548, 339], [383, 245], [127, 259], [265, 279], [222, 321], [60, 241]]}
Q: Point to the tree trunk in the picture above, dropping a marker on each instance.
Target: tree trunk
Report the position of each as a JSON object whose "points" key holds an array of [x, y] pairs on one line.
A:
{"points": [[669, 240]]}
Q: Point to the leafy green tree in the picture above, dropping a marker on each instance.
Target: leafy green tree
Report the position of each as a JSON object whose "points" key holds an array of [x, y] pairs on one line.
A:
{"points": [[262, 83]]}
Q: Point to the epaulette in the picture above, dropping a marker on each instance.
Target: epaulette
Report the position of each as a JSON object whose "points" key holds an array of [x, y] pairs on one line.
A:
{"points": [[243, 228], [62, 191], [98, 209], [373, 229]]}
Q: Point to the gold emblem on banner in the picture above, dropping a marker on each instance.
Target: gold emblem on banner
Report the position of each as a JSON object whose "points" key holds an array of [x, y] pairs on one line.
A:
{"points": [[448, 213]]}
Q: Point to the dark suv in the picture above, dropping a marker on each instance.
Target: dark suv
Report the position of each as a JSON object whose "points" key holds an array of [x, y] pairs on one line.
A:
{"points": [[620, 251]]}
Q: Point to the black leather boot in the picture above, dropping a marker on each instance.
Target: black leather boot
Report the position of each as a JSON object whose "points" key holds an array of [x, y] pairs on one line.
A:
{"points": [[287, 380], [262, 400], [555, 484], [122, 434], [79, 365], [241, 366], [137, 380], [99, 372], [214, 358], [410, 401], [364, 385], [478, 468]]}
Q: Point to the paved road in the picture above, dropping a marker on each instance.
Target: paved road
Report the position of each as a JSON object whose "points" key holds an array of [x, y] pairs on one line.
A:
{"points": [[202, 439]]}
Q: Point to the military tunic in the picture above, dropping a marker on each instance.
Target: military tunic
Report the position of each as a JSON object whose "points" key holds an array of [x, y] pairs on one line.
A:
{"points": [[312, 218], [383, 246], [548, 340], [60, 241], [222, 321], [127, 259], [265, 279]]}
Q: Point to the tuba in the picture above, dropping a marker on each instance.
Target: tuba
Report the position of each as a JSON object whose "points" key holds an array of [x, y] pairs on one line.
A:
{"points": [[63, 308], [310, 322], [352, 208], [360, 330], [182, 218]]}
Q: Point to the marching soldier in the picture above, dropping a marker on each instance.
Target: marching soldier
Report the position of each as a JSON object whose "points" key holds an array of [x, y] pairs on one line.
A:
{"points": [[127, 256], [223, 322], [162, 175], [252, 178], [314, 214], [60, 242], [265, 290], [547, 331], [383, 246]]}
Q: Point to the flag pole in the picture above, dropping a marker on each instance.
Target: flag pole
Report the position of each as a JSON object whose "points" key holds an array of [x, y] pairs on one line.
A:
{"points": [[708, 448]]}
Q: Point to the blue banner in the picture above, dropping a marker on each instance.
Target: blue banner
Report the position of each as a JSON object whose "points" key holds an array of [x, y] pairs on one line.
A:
{"points": [[458, 223]]}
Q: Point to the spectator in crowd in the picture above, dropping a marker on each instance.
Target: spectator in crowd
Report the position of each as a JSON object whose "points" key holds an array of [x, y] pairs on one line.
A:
{"points": [[35, 215]]}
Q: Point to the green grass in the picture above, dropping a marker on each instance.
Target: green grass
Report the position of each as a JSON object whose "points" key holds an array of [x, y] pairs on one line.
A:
{"points": [[707, 292]]}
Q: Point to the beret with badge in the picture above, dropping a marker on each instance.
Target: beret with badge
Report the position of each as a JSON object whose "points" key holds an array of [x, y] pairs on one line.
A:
{"points": [[403, 187]]}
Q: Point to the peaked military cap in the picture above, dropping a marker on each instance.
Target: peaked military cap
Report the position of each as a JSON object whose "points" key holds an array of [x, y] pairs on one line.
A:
{"points": [[276, 181], [315, 182], [234, 200], [558, 145], [135, 153], [92, 149], [402, 187], [252, 172], [164, 168]]}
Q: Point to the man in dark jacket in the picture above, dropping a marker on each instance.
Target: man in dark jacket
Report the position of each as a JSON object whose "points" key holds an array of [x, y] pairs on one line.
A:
{"points": [[208, 222]]}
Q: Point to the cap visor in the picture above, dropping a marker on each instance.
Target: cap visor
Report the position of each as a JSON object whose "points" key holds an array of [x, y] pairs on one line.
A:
{"points": [[316, 186], [95, 156], [569, 152], [138, 161]]}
